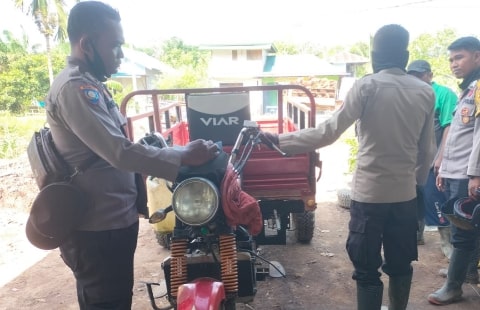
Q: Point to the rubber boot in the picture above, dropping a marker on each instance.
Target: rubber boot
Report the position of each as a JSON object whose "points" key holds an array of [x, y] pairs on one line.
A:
{"points": [[445, 235], [472, 271], [451, 290], [369, 297], [399, 291], [421, 229]]}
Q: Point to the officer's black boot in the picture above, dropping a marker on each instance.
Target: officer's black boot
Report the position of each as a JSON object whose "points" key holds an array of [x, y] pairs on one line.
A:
{"points": [[369, 297], [451, 291], [399, 291]]}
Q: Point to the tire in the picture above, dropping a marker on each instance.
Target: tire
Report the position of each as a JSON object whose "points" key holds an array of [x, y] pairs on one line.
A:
{"points": [[304, 226], [343, 196], [163, 239], [229, 305]]}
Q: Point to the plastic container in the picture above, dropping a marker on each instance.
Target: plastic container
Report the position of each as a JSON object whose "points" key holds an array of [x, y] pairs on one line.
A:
{"points": [[160, 197]]}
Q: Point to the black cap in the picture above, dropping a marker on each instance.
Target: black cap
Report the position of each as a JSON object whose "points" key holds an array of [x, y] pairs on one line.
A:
{"points": [[420, 66]]}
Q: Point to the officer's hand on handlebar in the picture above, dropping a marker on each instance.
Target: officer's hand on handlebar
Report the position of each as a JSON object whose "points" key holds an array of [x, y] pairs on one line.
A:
{"points": [[269, 139], [198, 152]]}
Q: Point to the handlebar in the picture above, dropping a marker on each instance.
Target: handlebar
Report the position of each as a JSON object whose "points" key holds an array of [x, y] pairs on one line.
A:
{"points": [[274, 147], [252, 133], [154, 139]]}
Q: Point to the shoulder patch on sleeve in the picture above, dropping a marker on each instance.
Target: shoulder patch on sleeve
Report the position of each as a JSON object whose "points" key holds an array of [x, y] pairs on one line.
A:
{"points": [[91, 93], [477, 99], [477, 93]]}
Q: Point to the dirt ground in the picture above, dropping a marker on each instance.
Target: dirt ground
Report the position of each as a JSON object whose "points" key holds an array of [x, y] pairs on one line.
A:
{"points": [[318, 274]]}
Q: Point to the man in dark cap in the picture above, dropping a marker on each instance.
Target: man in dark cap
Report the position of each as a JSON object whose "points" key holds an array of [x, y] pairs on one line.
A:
{"points": [[393, 112], [430, 199], [459, 174]]}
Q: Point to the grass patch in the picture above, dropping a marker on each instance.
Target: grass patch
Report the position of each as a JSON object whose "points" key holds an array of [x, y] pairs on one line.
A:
{"points": [[16, 132]]}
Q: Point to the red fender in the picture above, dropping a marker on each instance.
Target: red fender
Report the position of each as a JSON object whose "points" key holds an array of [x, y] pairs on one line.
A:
{"points": [[201, 294]]}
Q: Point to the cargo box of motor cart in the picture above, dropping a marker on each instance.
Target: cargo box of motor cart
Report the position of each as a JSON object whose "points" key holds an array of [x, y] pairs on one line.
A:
{"points": [[217, 117]]}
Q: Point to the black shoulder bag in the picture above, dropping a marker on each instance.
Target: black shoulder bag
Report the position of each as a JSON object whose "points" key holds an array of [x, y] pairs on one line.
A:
{"points": [[47, 164]]}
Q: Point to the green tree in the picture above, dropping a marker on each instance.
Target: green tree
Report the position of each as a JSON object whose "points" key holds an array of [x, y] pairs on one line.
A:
{"points": [[362, 49], [25, 82], [433, 48], [51, 19], [284, 48], [23, 76], [10, 48], [330, 51], [117, 90], [190, 63], [179, 55]]}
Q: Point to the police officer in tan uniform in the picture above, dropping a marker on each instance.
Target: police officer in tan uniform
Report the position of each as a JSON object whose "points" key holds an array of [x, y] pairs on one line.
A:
{"points": [[394, 116], [459, 174], [85, 122]]}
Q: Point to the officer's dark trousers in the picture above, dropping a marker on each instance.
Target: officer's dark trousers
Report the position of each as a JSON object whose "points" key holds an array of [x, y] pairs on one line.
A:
{"points": [[420, 204], [102, 262], [393, 225], [467, 240], [461, 239]]}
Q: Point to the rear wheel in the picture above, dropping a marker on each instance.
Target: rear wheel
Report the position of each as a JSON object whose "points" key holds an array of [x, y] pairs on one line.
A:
{"points": [[343, 196], [304, 226]]}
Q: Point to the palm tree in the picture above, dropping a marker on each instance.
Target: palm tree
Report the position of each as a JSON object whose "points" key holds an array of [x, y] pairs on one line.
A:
{"points": [[51, 20]]}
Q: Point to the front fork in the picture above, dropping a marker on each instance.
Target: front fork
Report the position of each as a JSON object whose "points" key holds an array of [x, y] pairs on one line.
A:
{"points": [[179, 276]]}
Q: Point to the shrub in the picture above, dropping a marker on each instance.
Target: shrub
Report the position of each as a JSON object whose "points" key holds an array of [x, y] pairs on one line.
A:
{"points": [[352, 158], [16, 131]]}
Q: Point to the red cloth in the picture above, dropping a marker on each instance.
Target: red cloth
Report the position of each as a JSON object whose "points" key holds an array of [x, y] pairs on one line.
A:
{"points": [[239, 207]]}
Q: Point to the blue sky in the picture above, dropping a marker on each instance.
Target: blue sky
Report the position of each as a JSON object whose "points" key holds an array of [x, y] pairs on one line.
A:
{"points": [[338, 22]]}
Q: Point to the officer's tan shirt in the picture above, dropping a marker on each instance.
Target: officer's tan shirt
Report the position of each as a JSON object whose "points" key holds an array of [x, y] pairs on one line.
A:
{"points": [[461, 155], [84, 122], [394, 114]]}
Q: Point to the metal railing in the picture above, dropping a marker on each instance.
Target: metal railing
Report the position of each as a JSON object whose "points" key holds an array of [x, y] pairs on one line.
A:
{"points": [[302, 114]]}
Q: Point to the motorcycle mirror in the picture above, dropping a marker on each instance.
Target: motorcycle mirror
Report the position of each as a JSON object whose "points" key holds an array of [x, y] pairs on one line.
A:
{"points": [[159, 215], [276, 270]]}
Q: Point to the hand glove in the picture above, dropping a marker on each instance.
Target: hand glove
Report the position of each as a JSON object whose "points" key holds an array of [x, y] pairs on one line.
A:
{"points": [[269, 138]]}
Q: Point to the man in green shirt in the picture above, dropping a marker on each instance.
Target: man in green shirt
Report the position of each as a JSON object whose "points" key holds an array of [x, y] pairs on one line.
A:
{"points": [[429, 197]]}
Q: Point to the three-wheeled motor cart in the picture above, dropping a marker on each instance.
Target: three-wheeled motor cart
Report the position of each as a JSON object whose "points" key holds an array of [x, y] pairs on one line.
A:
{"points": [[285, 186]]}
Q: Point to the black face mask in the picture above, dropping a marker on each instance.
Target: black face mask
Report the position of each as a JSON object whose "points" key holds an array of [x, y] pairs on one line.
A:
{"points": [[97, 66], [474, 75], [386, 59]]}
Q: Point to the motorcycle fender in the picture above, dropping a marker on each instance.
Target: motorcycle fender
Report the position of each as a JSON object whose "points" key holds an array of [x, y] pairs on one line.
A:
{"points": [[201, 294]]}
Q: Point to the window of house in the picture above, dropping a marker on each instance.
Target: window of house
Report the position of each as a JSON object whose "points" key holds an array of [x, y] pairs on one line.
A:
{"points": [[254, 55], [234, 55]]}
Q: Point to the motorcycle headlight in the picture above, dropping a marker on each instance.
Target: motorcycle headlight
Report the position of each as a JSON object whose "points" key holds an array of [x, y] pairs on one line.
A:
{"points": [[195, 201]]}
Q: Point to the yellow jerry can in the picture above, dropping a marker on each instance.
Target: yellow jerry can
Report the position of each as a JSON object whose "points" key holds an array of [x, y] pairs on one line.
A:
{"points": [[160, 197]]}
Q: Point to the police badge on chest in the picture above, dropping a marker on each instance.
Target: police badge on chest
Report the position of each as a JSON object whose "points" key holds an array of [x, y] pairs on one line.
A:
{"points": [[465, 115]]}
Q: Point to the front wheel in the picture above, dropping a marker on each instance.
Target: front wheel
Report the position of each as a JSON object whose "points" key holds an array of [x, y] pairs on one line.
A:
{"points": [[229, 304], [304, 226], [163, 239]]}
